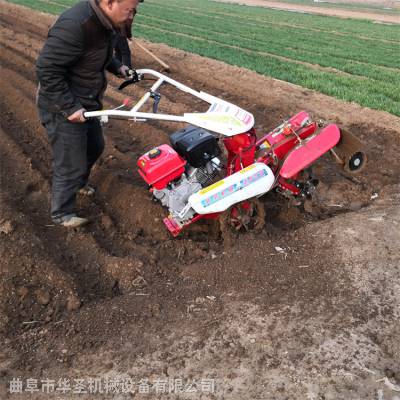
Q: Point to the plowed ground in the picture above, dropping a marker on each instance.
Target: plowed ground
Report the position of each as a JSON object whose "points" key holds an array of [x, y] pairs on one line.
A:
{"points": [[307, 308]]}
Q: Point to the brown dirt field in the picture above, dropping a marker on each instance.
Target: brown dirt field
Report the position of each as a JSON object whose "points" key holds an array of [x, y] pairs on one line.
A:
{"points": [[121, 299], [367, 13]]}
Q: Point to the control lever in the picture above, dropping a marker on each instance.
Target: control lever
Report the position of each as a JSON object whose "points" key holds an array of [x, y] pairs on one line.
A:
{"points": [[135, 77], [157, 97]]}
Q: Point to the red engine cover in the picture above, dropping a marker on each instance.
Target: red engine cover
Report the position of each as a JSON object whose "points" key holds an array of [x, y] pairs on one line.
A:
{"points": [[160, 166]]}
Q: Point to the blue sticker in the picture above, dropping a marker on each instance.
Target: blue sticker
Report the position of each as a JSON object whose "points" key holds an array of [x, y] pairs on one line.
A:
{"points": [[233, 188]]}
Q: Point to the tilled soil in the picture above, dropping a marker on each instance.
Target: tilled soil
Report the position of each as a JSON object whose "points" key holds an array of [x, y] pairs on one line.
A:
{"points": [[307, 308]]}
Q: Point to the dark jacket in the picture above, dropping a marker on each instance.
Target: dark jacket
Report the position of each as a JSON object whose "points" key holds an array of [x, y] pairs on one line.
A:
{"points": [[126, 30], [122, 51], [121, 45], [71, 66]]}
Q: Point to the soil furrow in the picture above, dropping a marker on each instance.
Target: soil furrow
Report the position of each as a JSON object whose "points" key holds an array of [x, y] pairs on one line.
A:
{"points": [[313, 291]]}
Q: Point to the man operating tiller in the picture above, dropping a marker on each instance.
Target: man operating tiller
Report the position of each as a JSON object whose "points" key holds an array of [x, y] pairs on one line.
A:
{"points": [[71, 73]]}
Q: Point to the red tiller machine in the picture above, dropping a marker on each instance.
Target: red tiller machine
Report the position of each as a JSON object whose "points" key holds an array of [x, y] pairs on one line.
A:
{"points": [[199, 176]]}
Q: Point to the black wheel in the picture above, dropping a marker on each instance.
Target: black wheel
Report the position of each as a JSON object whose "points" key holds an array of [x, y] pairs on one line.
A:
{"points": [[356, 162]]}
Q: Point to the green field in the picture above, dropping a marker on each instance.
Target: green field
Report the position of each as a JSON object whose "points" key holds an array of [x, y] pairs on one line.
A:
{"points": [[348, 6], [352, 60]]}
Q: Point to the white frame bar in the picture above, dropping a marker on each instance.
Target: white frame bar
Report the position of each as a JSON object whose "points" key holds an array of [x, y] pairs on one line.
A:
{"points": [[134, 113]]}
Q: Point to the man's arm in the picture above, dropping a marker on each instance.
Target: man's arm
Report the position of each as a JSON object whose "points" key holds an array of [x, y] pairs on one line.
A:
{"points": [[114, 66], [63, 47]]}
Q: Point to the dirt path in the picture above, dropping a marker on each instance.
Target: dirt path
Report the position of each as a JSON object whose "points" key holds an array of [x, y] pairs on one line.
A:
{"points": [[121, 299], [334, 12]]}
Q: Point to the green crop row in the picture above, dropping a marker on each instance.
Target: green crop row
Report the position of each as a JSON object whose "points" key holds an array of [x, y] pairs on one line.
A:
{"points": [[270, 16], [351, 6], [346, 88], [276, 37], [387, 80], [353, 60], [281, 44], [253, 22]]}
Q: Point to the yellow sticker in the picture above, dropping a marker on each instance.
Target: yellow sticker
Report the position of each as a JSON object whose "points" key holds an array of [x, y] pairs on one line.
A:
{"points": [[209, 188], [243, 171], [266, 144], [142, 98], [223, 119]]}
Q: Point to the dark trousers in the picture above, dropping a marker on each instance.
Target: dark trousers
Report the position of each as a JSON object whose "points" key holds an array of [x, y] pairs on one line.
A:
{"points": [[76, 147]]}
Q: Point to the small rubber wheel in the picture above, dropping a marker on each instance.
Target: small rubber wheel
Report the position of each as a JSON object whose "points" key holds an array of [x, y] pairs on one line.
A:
{"points": [[356, 162]]}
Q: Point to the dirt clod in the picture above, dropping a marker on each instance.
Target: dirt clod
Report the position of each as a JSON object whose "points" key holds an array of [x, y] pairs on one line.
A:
{"points": [[73, 303], [42, 297], [106, 222], [6, 227], [22, 291]]}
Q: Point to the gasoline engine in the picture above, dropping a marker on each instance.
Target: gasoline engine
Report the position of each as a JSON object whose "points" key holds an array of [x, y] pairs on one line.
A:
{"points": [[176, 172]]}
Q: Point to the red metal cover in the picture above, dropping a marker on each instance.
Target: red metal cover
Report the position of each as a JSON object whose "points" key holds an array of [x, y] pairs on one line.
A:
{"points": [[309, 151], [294, 124], [160, 166], [299, 123]]}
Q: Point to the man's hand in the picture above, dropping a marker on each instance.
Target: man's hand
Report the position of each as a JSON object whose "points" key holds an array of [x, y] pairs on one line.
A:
{"points": [[124, 72], [77, 117]]}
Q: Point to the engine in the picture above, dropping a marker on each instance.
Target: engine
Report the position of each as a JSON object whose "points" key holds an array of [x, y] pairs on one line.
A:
{"points": [[175, 172]]}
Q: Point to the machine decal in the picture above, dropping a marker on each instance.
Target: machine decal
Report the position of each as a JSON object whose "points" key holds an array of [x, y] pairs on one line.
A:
{"points": [[234, 188], [220, 118], [209, 188]]}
